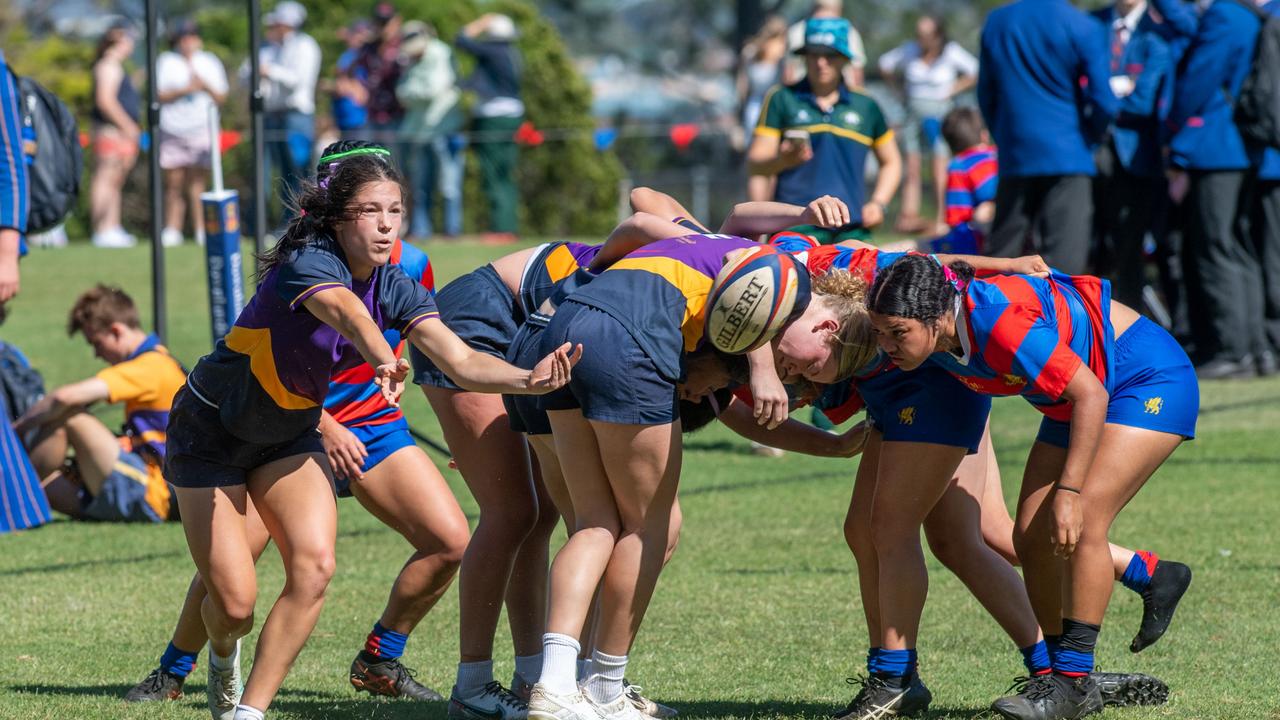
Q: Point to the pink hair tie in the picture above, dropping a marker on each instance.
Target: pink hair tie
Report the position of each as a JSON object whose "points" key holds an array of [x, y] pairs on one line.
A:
{"points": [[954, 279]]}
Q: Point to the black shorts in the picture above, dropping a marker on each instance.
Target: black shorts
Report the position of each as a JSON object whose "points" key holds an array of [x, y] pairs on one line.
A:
{"points": [[201, 453], [480, 309], [523, 412]]}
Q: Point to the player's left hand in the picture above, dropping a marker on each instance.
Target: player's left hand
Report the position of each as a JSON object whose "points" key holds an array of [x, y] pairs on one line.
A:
{"points": [[554, 370], [1068, 522], [1033, 265], [390, 378], [852, 441], [771, 401], [872, 214], [9, 284], [346, 453], [827, 211]]}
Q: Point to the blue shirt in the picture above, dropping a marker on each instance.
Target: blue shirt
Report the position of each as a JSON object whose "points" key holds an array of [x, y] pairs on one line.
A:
{"points": [[1044, 87], [347, 113], [1204, 135], [13, 164]]}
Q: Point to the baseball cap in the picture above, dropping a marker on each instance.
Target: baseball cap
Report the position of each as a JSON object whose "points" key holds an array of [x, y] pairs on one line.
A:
{"points": [[183, 28], [288, 13], [826, 34]]}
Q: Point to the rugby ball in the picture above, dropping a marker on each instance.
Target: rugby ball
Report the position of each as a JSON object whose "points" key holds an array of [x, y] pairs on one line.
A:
{"points": [[754, 296]]}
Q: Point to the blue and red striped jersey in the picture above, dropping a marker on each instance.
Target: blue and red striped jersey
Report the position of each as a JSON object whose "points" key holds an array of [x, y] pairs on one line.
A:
{"points": [[971, 180]]}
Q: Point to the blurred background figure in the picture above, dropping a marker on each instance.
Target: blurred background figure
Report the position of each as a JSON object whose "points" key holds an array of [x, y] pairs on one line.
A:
{"points": [[761, 68], [289, 65], [928, 72], [378, 67], [794, 68], [496, 115], [116, 132], [189, 81], [428, 90], [350, 96]]}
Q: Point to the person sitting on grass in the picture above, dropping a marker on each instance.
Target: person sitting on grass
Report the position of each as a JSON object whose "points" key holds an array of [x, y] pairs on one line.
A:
{"points": [[108, 477]]}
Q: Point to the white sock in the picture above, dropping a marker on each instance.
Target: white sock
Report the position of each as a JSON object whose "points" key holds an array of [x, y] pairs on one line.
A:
{"points": [[223, 663], [244, 712], [604, 684], [559, 663], [584, 668], [528, 668], [473, 676]]}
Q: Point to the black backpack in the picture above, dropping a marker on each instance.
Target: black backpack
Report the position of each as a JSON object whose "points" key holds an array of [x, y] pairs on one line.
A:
{"points": [[1257, 106], [21, 385], [53, 177]]}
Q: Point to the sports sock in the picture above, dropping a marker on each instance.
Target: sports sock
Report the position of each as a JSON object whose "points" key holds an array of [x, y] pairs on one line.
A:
{"points": [[528, 668], [473, 676], [1051, 642], [1138, 575], [604, 684], [584, 668], [559, 663], [177, 662], [873, 659], [219, 662], [1036, 658], [895, 663], [383, 644], [244, 712], [1075, 649]]}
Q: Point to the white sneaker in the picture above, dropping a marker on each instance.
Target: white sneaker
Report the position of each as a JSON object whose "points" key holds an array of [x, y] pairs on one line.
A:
{"points": [[645, 705], [114, 238], [546, 705], [171, 237], [224, 687], [620, 709], [492, 702]]}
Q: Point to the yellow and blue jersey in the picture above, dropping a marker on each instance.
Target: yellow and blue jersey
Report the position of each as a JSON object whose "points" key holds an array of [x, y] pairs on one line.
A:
{"points": [[551, 264], [146, 383]]}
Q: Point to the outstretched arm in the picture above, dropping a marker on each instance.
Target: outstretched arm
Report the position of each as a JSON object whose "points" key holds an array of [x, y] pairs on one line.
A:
{"points": [[749, 219], [341, 310], [794, 435], [633, 233], [481, 372]]}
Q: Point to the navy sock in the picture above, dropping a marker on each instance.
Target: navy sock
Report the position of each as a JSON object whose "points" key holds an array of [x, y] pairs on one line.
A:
{"points": [[178, 662], [384, 644], [1036, 658], [1075, 649], [1051, 642], [1138, 575], [895, 663]]}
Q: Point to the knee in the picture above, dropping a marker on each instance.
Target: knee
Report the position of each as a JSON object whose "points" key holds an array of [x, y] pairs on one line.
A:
{"points": [[1026, 542], [309, 572], [513, 521], [857, 535], [889, 533], [600, 533], [236, 606], [452, 546], [546, 521]]}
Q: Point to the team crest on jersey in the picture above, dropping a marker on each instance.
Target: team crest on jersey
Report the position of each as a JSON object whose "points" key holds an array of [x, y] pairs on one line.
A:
{"points": [[972, 384], [907, 416], [852, 118], [1154, 405], [1014, 380], [802, 115]]}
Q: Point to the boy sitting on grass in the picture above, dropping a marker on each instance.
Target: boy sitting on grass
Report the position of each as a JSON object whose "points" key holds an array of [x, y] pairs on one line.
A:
{"points": [[107, 477]]}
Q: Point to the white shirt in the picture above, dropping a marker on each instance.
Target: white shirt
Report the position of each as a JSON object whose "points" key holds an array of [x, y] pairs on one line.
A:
{"points": [[291, 70], [926, 81], [1124, 25], [189, 114]]}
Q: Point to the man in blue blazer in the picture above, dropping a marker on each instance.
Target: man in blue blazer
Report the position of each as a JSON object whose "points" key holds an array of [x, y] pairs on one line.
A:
{"points": [[1265, 226], [1222, 270]]}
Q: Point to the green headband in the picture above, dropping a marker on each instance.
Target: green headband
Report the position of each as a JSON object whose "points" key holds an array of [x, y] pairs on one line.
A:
{"points": [[358, 151]]}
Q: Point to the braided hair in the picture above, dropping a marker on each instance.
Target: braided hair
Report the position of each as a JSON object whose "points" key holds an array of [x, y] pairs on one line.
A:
{"points": [[918, 287]]}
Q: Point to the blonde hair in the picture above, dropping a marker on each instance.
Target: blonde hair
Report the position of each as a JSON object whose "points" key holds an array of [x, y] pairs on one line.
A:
{"points": [[845, 295]]}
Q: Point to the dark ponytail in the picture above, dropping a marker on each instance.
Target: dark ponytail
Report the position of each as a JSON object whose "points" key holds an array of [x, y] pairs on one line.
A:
{"points": [[919, 288], [320, 204]]}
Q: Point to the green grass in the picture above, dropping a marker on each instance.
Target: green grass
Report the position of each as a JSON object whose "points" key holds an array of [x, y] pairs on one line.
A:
{"points": [[757, 615]]}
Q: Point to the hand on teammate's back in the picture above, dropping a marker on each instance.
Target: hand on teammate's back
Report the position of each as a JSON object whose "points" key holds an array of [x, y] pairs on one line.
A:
{"points": [[826, 211], [554, 370]]}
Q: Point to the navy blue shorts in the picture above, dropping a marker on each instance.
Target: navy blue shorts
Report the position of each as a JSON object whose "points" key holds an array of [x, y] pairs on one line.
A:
{"points": [[523, 412], [481, 310], [926, 405], [1154, 388], [123, 497], [615, 382], [201, 453], [380, 442]]}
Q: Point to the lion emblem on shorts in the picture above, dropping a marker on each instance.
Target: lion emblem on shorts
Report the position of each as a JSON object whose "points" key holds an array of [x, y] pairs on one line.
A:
{"points": [[1154, 405], [907, 416], [1014, 380]]}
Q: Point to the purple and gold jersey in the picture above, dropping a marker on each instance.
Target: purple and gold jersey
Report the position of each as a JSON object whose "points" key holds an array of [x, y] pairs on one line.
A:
{"points": [[1028, 336], [269, 376], [552, 263], [659, 293]]}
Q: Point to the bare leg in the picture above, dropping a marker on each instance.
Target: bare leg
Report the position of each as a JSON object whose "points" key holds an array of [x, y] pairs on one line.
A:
{"points": [[939, 186], [175, 205], [195, 183], [97, 449], [909, 213], [857, 533]]}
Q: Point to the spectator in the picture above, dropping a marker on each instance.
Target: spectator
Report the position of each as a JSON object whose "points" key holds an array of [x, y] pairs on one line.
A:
{"points": [[1265, 225], [1210, 159], [929, 72], [972, 179], [116, 112], [1130, 165], [13, 186], [794, 67], [429, 92], [189, 81], [289, 64], [814, 136], [761, 68], [22, 503], [1045, 93], [350, 95], [378, 65], [496, 115], [110, 478]]}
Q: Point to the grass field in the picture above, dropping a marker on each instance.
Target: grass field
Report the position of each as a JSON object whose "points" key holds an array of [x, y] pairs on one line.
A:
{"points": [[757, 615]]}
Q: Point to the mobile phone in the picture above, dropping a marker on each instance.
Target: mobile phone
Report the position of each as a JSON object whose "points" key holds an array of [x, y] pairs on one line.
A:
{"points": [[796, 136]]}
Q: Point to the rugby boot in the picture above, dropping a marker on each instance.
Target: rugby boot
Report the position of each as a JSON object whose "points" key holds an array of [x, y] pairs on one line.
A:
{"points": [[1168, 584], [1051, 697], [1130, 689], [391, 679], [886, 697], [159, 685]]}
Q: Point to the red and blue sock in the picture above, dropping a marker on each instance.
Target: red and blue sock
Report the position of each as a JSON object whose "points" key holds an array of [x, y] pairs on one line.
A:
{"points": [[1137, 577], [1036, 658], [1075, 648], [178, 662], [892, 663], [383, 644]]}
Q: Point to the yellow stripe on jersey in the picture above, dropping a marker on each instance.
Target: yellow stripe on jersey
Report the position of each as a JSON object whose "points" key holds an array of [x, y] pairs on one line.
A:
{"points": [[694, 285], [837, 130], [887, 137], [256, 343], [560, 263], [132, 473]]}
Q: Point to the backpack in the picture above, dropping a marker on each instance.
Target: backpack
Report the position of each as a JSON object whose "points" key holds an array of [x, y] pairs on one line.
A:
{"points": [[1257, 106], [56, 161], [21, 385]]}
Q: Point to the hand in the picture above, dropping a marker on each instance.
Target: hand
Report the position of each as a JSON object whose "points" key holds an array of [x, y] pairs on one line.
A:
{"points": [[1179, 185], [852, 441], [1068, 522], [771, 401], [346, 453], [390, 379], [9, 283], [1029, 265], [794, 153], [872, 214], [197, 84], [826, 211], [554, 370]]}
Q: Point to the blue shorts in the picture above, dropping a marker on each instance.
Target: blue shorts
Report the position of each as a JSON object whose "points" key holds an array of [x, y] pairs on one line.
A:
{"points": [[615, 382], [523, 412], [123, 497], [1154, 388], [481, 310], [926, 405], [380, 442], [960, 240]]}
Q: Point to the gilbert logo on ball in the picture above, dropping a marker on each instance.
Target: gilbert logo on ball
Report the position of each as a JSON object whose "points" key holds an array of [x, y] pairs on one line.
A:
{"points": [[753, 297]]}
